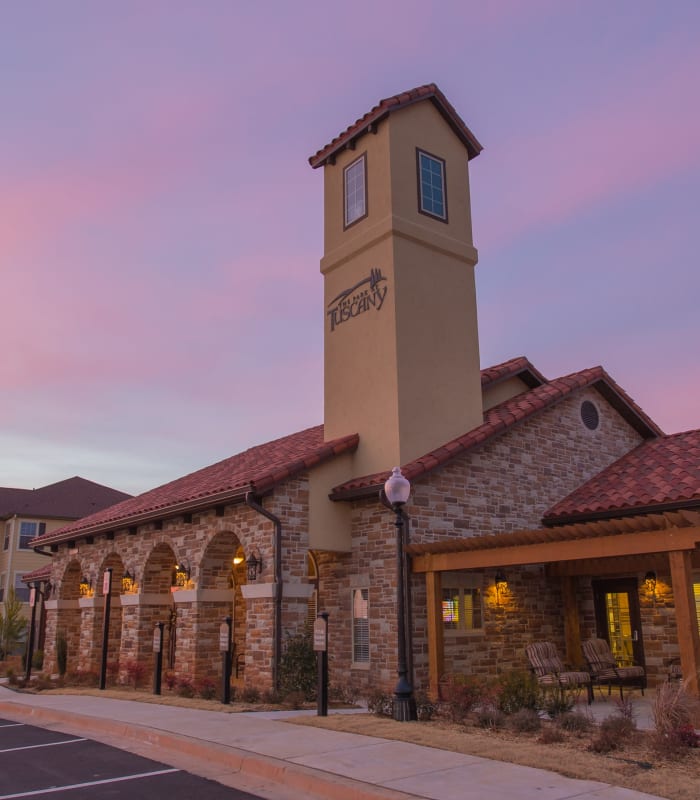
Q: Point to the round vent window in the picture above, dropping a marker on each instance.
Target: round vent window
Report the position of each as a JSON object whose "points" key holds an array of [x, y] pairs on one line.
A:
{"points": [[589, 415]]}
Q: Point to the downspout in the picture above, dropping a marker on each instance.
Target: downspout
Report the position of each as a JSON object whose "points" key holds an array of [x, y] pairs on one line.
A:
{"points": [[252, 502]]}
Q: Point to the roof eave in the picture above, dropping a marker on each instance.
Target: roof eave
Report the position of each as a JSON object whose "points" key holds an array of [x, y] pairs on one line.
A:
{"points": [[463, 133], [617, 513]]}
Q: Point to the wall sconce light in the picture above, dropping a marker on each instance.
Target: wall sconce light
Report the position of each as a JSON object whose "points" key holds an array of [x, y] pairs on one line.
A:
{"points": [[253, 567], [238, 560], [85, 587], [650, 582], [501, 581], [182, 574], [128, 582]]}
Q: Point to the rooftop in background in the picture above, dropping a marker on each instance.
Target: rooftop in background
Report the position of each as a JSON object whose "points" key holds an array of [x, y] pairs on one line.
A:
{"points": [[69, 499]]}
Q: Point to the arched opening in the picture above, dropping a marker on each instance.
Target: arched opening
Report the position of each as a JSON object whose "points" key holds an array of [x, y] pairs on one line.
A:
{"points": [[67, 631], [155, 585], [222, 573]]}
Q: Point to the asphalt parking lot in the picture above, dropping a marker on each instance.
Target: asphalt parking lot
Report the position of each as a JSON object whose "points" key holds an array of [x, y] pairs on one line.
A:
{"points": [[36, 762]]}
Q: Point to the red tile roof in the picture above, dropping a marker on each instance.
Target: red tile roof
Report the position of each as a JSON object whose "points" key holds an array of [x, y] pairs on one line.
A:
{"points": [[41, 574], [69, 499], [385, 107], [659, 474], [257, 469], [518, 367], [504, 416]]}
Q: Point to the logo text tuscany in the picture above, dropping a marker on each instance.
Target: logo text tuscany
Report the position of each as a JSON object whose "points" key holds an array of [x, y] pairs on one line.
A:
{"points": [[364, 295]]}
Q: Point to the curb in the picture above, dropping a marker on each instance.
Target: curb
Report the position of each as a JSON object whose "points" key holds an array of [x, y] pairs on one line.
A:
{"points": [[237, 761]]}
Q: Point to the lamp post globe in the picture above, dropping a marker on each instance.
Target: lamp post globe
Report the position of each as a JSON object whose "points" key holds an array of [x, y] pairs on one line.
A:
{"points": [[397, 490]]}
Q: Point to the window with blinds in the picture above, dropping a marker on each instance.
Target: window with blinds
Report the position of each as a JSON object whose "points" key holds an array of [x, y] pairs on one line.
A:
{"points": [[360, 626]]}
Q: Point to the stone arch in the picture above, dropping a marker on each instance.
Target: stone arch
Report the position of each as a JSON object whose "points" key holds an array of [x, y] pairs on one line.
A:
{"points": [[157, 575], [69, 583], [221, 576], [152, 604], [68, 614]]}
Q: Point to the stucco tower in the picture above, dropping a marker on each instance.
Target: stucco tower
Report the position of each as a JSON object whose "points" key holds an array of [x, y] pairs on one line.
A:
{"points": [[400, 330]]}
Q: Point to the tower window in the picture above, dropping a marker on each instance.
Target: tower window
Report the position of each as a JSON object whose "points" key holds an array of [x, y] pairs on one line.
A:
{"points": [[355, 180], [432, 199]]}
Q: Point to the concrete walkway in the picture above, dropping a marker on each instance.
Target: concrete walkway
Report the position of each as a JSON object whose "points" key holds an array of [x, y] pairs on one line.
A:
{"points": [[261, 754]]}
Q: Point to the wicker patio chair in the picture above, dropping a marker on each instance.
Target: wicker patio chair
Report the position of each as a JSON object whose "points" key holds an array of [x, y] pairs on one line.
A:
{"points": [[550, 671], [606, 672]]}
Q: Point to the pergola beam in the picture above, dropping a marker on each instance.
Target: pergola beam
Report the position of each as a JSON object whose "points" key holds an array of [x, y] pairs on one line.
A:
{"points": [[615, 546]]}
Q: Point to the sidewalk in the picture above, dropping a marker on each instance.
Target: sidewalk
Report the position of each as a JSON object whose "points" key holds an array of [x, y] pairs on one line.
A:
{"points": [[259, 753]]}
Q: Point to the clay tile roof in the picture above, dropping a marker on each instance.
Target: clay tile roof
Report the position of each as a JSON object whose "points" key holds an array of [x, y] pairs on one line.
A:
{"points": [[504, 416], [385, 107], [41, 574], [518, 367], [659, 474], [257, 469]]}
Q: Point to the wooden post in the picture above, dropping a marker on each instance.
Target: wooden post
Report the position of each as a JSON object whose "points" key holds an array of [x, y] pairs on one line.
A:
{"points": [[436, 650], [572, 627], [686, 617]]}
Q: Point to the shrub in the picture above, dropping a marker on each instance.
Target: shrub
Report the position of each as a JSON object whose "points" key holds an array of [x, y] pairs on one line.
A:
{"points": [[613, 733], [526, 720], [673, 708], [518, 690], [551, 735], [251, 694], [574, 722], [271, 697], [380, 703], [185, 686], [135, 672], [490, 717], [461, 694], [43, 682], [346, 693], [295, 699], [11, 677], [170, 681], [298, 670], [112, 670], [206, 689], [557, 700], [38, 659], [425, 707], [12, 623], [61, 653]]}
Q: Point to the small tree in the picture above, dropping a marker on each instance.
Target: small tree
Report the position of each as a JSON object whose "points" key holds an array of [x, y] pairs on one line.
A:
{"points": [[298, 671], [61, 653], [12, 624]]}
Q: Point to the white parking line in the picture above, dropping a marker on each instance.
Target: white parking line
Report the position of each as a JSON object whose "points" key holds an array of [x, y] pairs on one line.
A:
{"points": [[46, 744], [53, 789], [12, 725]]}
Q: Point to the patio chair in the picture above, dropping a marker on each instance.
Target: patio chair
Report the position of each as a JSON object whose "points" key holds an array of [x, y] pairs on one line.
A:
{"points": [[605, 671], [550, 671]]}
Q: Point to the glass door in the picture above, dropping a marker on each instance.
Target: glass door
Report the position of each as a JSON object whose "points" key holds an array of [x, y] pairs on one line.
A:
{"points": [[618, 619]]}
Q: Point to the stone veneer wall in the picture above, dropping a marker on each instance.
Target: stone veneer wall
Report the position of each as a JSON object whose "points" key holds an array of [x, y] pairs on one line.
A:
{"points": [[209, 543], [505, 485]]}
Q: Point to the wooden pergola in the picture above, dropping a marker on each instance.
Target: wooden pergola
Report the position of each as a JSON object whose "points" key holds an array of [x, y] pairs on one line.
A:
{"points": [[587, 548]]}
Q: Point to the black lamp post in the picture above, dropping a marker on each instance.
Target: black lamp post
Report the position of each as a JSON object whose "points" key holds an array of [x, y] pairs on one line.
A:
{"points": [[397, 490]]}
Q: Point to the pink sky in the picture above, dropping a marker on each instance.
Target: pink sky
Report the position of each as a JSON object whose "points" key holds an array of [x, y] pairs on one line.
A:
{"points": [[153, 321]]}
